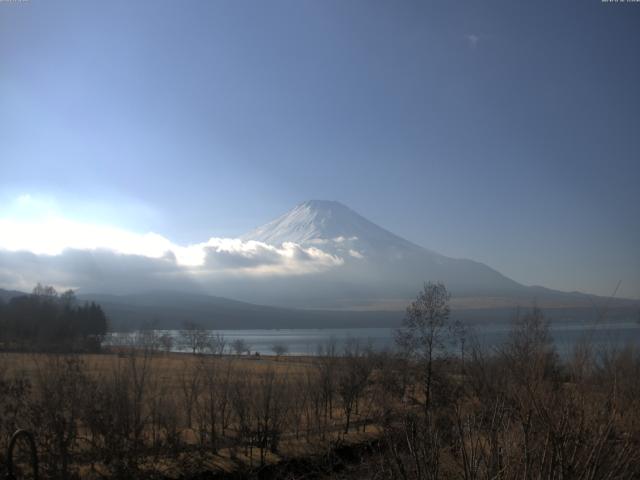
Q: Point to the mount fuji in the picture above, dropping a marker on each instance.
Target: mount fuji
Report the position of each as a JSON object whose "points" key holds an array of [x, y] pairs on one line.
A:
{"points": [[368, 248], [383, 270], [380, 269]]}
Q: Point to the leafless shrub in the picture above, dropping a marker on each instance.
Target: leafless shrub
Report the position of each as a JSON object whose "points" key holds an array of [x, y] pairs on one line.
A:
{"points": [[213, 408], [15, 390], [190, 384], [118, 412], [270, 411], [56, 411], [353, 378]]}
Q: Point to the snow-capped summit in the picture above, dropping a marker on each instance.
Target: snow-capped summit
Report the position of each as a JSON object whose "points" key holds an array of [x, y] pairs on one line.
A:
{"points": [[323, 222]]}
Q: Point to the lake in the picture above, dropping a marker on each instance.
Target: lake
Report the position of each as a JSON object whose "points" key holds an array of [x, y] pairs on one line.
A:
{"points": [[307, 341]]}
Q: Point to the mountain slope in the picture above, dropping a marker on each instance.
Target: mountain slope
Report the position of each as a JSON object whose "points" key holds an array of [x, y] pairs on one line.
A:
{"points": [[383, 270], [6, 295], [376, 259], [170, 309]]}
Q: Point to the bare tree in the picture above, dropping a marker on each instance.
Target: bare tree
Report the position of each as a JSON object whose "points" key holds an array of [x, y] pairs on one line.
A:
{"points": [[191, 384], [327, 366], [424, 331], [279, 349], [315, 417], [166, 342], [56, 410], [194, 337], [353, 379], [244, 413], [216, 344], [147, 338], [270, 407], [240, 346]]}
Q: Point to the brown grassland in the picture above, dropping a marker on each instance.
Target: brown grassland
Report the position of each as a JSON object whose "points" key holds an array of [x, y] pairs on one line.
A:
{"points": [[146, 413]]}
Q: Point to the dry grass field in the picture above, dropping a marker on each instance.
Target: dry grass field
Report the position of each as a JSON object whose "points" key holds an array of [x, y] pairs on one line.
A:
{"points": [[516, 413], [171, 366], [179, 414]]}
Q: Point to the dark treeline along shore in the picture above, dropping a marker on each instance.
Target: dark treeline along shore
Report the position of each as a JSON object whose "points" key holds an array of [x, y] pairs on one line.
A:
{"points": [[46, 321], [139, 411]]}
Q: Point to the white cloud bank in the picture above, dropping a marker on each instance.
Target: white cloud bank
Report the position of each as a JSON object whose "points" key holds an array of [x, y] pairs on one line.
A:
{"points": [[66, 252]]}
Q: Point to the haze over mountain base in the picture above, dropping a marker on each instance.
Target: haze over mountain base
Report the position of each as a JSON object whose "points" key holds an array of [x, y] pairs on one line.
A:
{"points": [[321, 255]]}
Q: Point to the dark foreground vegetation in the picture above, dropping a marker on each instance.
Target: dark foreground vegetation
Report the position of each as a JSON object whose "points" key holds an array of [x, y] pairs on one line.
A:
{"points": [[516, 413]]}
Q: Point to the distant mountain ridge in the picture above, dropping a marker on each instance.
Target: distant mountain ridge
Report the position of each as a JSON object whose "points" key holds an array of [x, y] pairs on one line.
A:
{"points": [[171, 309], [380, 264], [6, 295]]}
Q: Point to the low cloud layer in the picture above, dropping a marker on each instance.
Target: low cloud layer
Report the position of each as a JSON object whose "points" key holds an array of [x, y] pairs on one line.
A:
{"points": [[70, 254]]}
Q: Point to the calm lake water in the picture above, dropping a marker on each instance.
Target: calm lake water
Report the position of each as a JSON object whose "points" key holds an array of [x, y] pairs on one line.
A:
{"points": [[307, 341]]}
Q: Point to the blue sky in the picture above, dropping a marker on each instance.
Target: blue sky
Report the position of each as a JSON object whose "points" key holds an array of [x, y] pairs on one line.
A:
{"points": [[506, 132]]}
